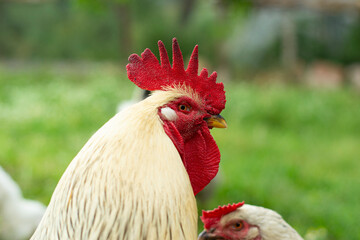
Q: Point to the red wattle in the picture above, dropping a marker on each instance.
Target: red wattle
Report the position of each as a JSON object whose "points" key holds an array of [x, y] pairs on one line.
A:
{"points": [[200, 155]]}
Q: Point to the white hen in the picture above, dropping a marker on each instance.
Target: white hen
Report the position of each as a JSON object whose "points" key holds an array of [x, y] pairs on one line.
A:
{"points": [[246, 222], [19, 216]]}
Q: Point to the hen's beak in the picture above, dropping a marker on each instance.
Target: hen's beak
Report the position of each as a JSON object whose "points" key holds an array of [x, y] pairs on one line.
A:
{"points": [[205, 235], [216, 121]]}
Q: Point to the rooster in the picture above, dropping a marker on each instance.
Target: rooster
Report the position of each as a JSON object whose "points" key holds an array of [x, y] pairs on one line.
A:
{"points": [[245, 222], [137, 175]]}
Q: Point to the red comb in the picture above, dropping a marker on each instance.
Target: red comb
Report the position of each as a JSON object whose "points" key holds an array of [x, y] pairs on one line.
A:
{"points": [[213, 216], [147, 73]]}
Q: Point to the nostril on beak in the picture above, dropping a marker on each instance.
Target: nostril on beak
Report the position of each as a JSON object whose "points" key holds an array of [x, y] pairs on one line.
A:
{"points": [[202, 235], [209, 235]]}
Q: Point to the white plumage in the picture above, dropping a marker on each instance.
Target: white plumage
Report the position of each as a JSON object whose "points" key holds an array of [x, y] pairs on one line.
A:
{"points": [[116, 188]]}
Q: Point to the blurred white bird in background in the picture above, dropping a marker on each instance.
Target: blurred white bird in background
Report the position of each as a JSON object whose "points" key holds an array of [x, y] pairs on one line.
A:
{"points": [[19, 217], [137, 96]]}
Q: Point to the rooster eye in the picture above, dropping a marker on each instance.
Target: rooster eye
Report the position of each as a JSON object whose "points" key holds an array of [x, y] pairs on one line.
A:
{"points": [[237, 226], [184, 108]]}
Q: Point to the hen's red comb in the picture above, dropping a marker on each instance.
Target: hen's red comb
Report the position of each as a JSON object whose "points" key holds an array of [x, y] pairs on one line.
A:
{"points": [[147, 73], [213, 216]]}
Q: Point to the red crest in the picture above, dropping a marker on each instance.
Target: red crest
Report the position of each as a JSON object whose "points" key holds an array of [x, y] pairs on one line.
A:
{"points": [[147, 73], [213, 216]]}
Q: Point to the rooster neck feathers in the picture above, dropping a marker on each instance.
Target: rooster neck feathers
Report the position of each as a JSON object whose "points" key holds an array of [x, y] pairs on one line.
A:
{"points": [[122, 196]]}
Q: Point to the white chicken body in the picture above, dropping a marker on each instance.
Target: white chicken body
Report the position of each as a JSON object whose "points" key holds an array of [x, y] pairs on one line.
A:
{"points": [[19, 217], [106, 193]]}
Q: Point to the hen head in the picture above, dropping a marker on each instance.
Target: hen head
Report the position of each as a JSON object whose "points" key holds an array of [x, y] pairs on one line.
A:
{"points": [[227, 223], [245, 222], [189, 105]]}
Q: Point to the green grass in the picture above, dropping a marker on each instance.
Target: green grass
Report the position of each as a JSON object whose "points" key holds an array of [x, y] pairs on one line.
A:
{"points": [[294, 150]]}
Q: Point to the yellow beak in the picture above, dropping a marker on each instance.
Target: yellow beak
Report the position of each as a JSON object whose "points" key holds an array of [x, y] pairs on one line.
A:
{"points": [[216, 121]]}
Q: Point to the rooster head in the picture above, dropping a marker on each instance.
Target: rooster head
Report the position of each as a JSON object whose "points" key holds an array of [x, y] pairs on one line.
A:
{"points": [[193, 108]]}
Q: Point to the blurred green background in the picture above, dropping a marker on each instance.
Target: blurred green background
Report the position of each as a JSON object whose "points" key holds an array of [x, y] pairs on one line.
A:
{"points": [[291, 72]]}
